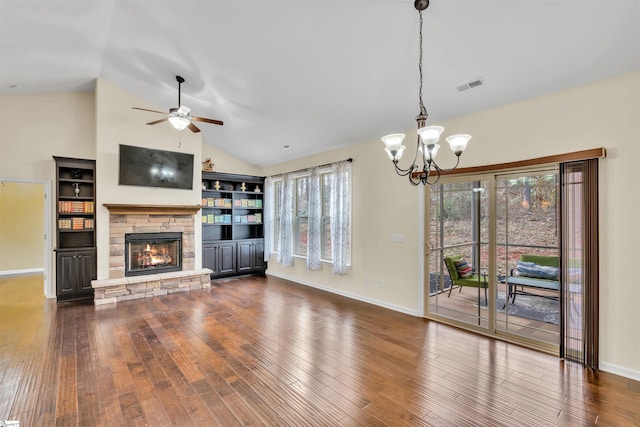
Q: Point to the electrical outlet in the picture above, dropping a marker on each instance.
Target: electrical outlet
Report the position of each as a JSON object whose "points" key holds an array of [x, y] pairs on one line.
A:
{"points": [[380, 283], [366, 280]]}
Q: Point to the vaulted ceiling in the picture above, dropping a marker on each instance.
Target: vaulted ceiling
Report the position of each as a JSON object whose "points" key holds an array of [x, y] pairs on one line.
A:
{"points": [[314, 75]]}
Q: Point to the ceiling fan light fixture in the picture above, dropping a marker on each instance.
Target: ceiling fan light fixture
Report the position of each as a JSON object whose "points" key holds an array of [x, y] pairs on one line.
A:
{"points": [[179, 122]]}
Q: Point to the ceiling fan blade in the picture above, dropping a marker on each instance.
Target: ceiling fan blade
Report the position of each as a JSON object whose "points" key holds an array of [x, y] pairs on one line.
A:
{"points": [[155, 122], [202, 119], [145, 109], [193, 128]]}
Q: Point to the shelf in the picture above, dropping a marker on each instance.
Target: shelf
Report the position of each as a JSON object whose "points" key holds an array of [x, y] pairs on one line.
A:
{"points": [[78, 181], [86, 230]]}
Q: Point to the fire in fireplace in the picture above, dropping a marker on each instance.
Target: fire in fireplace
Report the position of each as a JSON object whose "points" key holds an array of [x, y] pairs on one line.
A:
{"points": [[151, 253]]}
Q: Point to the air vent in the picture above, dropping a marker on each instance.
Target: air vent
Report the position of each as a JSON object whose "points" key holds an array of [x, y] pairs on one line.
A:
{"points": [[471, 85]]}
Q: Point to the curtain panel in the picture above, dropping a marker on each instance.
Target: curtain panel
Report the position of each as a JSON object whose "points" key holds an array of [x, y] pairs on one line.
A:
{"points": [[269, 216], [285, 254], [341, 217], [314, 238]]}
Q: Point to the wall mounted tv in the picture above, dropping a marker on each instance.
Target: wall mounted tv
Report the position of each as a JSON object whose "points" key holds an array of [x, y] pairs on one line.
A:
{"points": [[155, 168]]}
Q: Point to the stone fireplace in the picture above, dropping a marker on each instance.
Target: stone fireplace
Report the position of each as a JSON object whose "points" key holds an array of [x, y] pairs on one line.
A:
{"points": [[151, 276]]}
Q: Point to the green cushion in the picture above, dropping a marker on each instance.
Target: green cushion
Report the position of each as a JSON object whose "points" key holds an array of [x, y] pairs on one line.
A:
{"points": [[549, 261], [473, 281], [450, 263]]}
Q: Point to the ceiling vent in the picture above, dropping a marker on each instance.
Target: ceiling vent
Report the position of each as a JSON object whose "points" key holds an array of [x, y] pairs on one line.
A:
{"points": [[471, 85]]}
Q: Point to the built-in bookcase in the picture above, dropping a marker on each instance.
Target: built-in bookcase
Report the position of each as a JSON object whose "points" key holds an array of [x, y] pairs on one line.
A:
{"points": [[232, 223], [76, 263]]}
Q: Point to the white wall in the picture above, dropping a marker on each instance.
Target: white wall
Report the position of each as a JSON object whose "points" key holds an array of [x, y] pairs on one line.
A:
{"points": [[603, 114]]}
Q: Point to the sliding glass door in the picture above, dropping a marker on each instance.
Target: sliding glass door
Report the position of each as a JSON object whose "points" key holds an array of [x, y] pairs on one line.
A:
{"points": [[496, 224], [527, 256], [460, 232]]}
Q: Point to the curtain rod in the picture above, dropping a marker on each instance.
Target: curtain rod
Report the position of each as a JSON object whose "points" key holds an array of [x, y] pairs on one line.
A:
{"points": [[350, 160]]}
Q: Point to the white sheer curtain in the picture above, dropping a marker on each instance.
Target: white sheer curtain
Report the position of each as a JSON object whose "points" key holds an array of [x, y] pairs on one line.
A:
{"points": [[341, 217], [269, 215], [285, 255], [314, 238]]}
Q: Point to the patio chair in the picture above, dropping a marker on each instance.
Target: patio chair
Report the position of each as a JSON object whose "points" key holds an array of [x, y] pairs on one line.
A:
{"points": [[471, 279]]}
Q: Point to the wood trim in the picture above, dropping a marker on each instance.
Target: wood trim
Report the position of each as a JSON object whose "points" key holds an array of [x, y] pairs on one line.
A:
{"points": [[127, 209], [574, 156]]}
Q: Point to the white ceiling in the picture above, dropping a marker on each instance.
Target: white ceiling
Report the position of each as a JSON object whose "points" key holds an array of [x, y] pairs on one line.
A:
{"points": [[315, 75]]}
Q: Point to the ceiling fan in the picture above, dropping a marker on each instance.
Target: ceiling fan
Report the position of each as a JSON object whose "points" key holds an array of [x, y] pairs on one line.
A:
{"points": [[179, 117]]}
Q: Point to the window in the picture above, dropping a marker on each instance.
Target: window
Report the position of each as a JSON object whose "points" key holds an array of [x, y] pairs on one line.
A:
{"points": [[302, 216], [333, 206]]}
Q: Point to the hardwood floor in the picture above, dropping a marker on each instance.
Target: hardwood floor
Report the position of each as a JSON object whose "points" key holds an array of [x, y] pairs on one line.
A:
{"points": [[264, 351]]}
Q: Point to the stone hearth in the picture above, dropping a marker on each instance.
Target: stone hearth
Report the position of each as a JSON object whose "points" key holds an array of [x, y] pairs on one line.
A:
{"points": [[125, 219]]}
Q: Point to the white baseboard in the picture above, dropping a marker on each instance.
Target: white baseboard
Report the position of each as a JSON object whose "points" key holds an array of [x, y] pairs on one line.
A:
{"points": [[23, 272], [620, 370], [347, 294]]}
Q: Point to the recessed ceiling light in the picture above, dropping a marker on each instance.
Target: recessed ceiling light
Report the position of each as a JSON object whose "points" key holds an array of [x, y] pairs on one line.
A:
{"points": [[285, 147]]}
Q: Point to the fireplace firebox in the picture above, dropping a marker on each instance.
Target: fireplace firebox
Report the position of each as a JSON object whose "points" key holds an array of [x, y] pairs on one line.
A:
{"points": [[151, 253]]}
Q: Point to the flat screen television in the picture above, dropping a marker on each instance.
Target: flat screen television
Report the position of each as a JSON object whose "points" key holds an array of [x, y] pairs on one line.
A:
{"points": [[155, 168]]}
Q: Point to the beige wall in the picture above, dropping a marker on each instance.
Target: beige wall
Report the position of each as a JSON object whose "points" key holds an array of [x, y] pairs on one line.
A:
{"points": [[227, 164], [21, 226], [117, 123], [603, 114], [35, 127]]}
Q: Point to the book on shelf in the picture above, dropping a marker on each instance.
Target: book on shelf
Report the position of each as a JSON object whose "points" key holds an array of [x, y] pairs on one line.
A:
{"points": [[75, 224], [258, 203], [68, 206]]}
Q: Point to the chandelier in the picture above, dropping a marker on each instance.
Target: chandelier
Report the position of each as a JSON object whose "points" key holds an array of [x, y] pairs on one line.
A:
{"points": [[428, 136]]}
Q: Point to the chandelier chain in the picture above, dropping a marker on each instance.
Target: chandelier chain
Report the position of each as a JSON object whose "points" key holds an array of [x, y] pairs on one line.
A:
{"points": [[421, 106]]}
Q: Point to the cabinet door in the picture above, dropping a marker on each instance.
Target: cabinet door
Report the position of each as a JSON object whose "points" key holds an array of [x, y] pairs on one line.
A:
{"points": [[210, 257], [227, 258], [245, 256], [66, 274], [86, 265], [259, 255]]}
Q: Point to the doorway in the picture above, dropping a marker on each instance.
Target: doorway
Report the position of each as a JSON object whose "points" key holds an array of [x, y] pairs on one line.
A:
{"points": [[25, 230]]}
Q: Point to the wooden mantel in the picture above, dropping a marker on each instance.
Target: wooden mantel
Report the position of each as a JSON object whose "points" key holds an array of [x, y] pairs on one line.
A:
{"points": [[129, 209]]}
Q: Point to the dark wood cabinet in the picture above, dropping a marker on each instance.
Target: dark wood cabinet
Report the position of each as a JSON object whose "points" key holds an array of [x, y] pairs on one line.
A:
{"points": [[76, 262], [74, 272], [250, 256], [232, 224], [220, 257]]}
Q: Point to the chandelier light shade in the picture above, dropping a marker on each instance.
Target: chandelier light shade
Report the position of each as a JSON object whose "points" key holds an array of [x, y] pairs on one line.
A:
{"points": [[423, 169]]}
